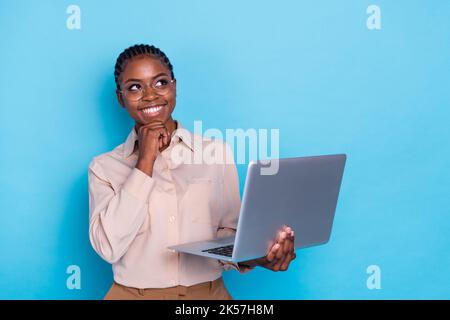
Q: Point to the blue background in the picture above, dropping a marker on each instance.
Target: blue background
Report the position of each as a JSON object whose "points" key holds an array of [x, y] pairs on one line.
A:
{"points": [[310, 68]]}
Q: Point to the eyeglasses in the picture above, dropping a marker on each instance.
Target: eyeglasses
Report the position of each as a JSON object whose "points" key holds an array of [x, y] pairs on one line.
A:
{"points": [[135, 91]]}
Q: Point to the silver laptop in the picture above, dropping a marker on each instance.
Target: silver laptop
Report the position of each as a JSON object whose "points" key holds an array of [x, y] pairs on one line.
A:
{"points": [[302, 194]]}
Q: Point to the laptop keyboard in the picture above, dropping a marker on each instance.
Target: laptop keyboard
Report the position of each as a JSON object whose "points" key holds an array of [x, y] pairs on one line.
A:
{"points": [[226, 251]]}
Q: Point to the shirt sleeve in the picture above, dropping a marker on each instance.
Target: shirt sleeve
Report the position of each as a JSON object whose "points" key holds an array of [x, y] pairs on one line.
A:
{"points": [[116, 214], [231, 206]]}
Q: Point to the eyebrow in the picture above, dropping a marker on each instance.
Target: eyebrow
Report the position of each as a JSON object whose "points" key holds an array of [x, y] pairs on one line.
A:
{"points": [[139, 80]]}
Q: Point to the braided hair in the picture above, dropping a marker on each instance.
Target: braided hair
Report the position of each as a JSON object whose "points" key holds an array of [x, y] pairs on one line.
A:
{"points": [[136, 50]]}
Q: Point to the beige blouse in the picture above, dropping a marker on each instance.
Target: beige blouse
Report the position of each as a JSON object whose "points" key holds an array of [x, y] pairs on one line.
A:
{"points": [[133, 217]]}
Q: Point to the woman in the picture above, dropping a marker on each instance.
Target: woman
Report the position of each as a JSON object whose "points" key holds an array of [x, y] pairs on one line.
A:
{"points": [[141, 201]]}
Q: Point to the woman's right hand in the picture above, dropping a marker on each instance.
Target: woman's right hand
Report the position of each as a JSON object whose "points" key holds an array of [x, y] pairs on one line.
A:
{"points": [[151, 138]]}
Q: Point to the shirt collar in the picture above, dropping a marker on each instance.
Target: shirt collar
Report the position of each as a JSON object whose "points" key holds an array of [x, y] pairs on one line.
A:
{"points": [[180, 134]]}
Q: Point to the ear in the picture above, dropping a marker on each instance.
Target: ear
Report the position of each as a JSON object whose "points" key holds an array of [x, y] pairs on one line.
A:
{"points": [[120, 98]]}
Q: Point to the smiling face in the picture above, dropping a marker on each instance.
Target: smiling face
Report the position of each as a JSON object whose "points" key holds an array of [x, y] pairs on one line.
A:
{"points": [[148, 74]]}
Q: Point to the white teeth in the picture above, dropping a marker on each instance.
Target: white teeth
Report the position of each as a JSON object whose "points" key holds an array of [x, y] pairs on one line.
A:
{"points": [[152, 109]]}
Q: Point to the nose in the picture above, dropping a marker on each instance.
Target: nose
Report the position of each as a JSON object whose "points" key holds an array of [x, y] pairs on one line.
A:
{"points": [[149, 93]]}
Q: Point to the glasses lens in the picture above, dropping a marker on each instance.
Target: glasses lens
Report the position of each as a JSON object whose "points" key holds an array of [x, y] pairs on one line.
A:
{"points": [[135, 91], [162, 84]]}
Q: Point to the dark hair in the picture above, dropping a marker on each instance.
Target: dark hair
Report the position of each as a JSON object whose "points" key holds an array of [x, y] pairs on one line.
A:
{"points": [[136, 50]]}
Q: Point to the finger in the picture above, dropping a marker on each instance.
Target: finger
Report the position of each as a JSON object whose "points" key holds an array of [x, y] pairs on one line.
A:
{"points": [[167, 136], [164, 132], [278, 237], [293, 239], [282, 240], [280, 252], [163, 136], [276, 266], [285, 264], [141, 131], [272, 266], [161, 130], [290, 240], [273, 252], [279, 264], [152, 126], [281, 237], [292, 252], [270, 244], [287, 244], [159, 134], [145, 130], [291, 234], [161, 140], [291, 246], [292, 257], [277, 245], [154, 121]]}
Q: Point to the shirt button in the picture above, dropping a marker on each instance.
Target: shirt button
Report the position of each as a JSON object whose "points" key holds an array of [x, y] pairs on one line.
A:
{"points": [[171, 218], [172, 282], [172, 250]]}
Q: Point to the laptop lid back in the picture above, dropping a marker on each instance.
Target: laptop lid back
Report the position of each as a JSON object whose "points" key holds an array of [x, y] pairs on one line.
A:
{"points": [[302, 194]]}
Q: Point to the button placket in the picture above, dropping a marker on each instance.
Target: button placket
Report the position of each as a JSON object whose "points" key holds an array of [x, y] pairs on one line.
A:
{"points": [[172, 229]]}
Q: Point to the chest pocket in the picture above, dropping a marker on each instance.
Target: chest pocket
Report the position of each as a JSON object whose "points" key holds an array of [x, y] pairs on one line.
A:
{"points": [[202, 201]]}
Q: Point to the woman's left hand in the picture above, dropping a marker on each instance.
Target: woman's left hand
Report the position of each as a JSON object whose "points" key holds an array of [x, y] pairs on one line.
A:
{"points": [[280, 254]]}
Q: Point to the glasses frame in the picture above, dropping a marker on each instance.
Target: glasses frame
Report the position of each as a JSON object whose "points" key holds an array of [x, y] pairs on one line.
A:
{"points": [[145, 87]]}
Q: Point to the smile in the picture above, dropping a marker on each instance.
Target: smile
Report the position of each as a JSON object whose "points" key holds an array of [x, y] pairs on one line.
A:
{"points": [[152, 110]]}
